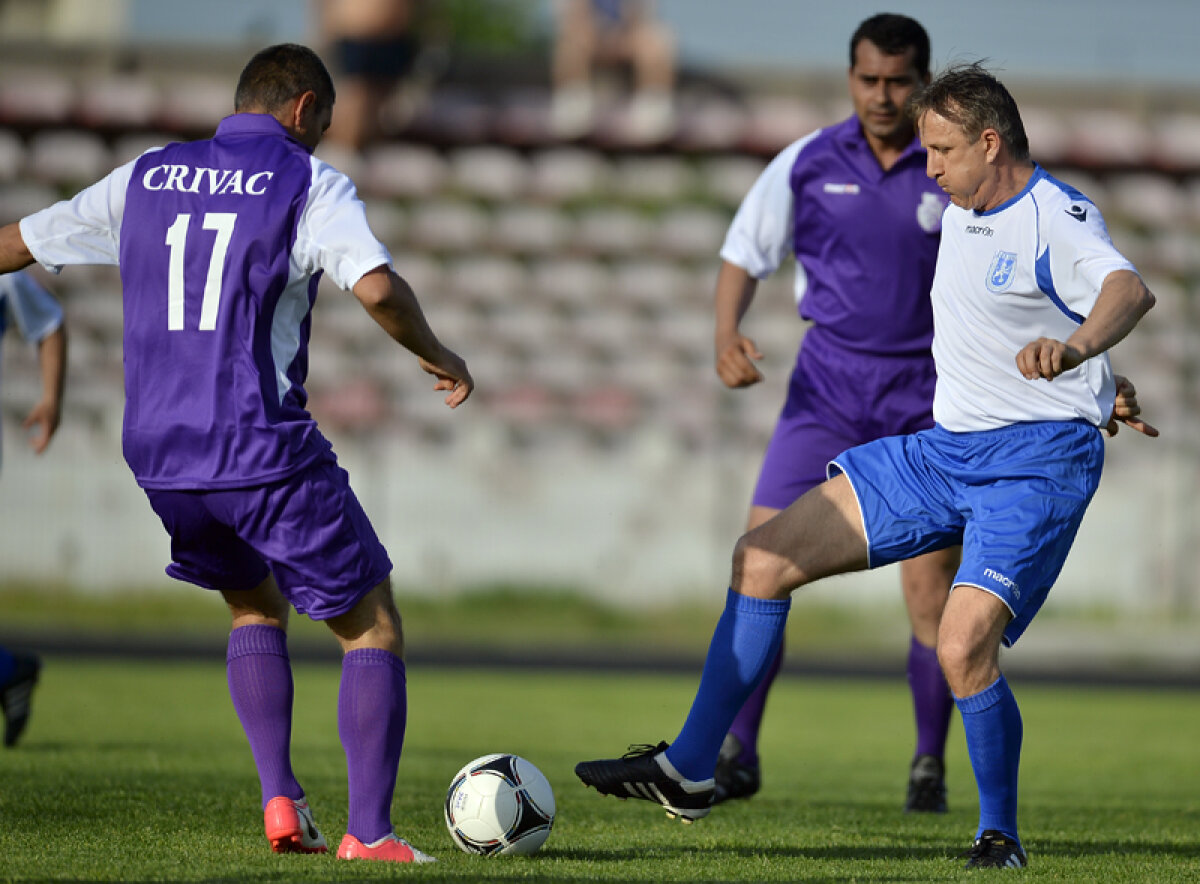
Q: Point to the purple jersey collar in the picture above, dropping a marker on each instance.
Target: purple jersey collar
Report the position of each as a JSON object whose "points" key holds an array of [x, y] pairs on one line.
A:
{"points": [[255, 124], [849, 133]]}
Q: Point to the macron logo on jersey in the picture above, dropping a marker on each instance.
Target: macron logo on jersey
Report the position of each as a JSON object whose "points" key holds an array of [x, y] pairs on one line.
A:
{"points": [[214, 182], [831, 187], [1079, 213]]}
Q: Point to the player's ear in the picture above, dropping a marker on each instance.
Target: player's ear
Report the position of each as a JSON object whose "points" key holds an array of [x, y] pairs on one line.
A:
{"points": [[992, 142]]}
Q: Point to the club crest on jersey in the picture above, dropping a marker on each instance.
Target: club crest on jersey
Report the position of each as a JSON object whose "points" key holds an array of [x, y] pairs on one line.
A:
{"points": [[929, 212], [1000, 274]]}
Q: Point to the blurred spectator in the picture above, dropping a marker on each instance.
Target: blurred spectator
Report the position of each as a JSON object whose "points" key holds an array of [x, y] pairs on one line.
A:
{"points": [[38, 317], [592, 34], [373, 45]]}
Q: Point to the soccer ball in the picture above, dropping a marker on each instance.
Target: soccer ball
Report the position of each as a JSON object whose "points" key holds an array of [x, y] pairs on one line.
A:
{"points": [[499, 804]]}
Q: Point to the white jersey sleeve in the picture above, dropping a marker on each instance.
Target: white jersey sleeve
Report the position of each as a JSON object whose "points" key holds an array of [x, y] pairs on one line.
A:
{"points": [[85, 229], [31, 308], [333, 234], [759, 239]]}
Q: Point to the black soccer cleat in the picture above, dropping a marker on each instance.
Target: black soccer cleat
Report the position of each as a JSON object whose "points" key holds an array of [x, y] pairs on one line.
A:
{"points": [[926, 786], [733, 779], [995, 850], [644, 772], [15, 695]]}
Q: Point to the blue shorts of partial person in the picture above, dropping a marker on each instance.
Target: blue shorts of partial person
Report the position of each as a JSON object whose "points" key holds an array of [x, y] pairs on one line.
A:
{"points": [[308, 530], [838, 398], [1013, 497]]}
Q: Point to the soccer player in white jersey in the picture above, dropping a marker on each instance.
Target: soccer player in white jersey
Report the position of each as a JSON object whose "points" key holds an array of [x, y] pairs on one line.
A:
{"points": [[1028, 295]]}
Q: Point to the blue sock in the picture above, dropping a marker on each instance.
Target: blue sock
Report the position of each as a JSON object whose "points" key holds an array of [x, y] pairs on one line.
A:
{"points": [[992, 723], [744, 646], [8, 665]]}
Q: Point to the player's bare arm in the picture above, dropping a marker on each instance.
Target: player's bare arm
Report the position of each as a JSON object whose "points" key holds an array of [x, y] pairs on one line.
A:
{"points": [[392, 304], [735, 351], [14, 254], [44, 417], [1126, 410], [1123, 301]]}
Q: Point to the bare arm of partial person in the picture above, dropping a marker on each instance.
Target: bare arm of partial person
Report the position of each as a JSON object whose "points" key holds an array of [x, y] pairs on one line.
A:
{"points": [[14, 254], [392, 304], [46, 414], [735, 351]]}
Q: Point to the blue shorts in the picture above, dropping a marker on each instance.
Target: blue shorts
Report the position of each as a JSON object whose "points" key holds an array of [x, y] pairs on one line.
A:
{"points": [[837, 399], [1012, 497], [308, 530]]}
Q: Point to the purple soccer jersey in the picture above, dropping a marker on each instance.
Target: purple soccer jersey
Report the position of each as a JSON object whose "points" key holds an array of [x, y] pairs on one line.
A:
{"points": [[865, 242], [216, 325]]}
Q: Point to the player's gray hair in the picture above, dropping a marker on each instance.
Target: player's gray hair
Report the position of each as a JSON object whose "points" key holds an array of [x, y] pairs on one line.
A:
{"points": [[974, 100]]}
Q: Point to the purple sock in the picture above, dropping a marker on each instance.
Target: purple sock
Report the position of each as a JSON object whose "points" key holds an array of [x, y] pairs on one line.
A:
{"points": [[749, 720], [932, 703], [372, 715], [260, 683]]}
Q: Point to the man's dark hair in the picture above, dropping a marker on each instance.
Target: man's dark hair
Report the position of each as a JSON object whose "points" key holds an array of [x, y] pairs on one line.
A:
{"points": [[971, 98], [894, 35], [278, 74]]}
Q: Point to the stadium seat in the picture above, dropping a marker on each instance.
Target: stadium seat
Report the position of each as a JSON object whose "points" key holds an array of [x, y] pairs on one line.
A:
{"points": [[1177, 141], [708, 124], [570, 282], [99, 313], [117, 102], [132, 145], [12, 155], [1108, 136], [525, 228], [775, 121], [527, 329], [487, 281], [68, 157], [449, 226], [613, 333], [455, 115], [193, 104], [388, 221], [488, 172], [663, 178], [612, 230], [568, 173], [691, 231], [729, 177], [651, 283], [36, 96], [1148, 199], [1050, 135], [404, 171]]}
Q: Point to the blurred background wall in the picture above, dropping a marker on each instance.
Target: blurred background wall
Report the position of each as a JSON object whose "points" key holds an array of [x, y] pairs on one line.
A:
{"points": [[575, 275]]}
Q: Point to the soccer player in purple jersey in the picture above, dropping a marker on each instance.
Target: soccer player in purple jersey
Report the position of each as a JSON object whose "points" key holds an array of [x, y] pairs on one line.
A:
{"points": [[34, 312], [854, 206], [221, 243]]}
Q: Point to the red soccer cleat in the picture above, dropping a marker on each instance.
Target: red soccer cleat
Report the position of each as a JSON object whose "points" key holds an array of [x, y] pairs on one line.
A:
{"points": [[390, 848], [290, 827]]}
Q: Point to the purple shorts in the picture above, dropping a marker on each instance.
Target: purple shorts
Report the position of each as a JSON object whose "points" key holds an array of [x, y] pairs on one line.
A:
{"points": [[837, 399], [308, 530]]}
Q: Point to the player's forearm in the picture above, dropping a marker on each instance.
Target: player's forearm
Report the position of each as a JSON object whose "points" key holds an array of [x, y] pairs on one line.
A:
{"points": [[391, 302], [14, 254], [735, 293], [1123, 301], [52, 359]]}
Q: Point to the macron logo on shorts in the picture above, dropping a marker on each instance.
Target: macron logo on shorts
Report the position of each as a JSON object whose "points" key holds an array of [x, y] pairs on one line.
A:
{"points": [[1006, 582]]}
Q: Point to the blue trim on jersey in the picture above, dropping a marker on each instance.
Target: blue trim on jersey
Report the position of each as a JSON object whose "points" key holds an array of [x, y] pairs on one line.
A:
{"points": [[1038, 174], [1045, 282], [1070, 191]]}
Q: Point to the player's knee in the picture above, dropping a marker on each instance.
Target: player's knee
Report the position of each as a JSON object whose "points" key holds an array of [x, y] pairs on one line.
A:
{"points": [[756, 571]]}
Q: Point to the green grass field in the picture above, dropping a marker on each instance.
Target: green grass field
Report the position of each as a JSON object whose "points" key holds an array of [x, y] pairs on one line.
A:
{"points": [[138, 771]]}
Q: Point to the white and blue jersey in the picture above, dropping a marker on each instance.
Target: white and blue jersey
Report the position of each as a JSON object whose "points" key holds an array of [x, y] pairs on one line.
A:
{"points": [[1029, 268], [1010, 467]]}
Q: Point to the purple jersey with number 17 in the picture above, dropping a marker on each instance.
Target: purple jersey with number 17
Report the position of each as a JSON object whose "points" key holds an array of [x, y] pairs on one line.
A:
{"points": [[221, 243]]}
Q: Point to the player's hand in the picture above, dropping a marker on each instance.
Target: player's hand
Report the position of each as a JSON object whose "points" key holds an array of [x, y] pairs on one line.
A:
{"points": [[43, 421], [1047, 358], [452, 375], [1126, 410], [734, 365]]}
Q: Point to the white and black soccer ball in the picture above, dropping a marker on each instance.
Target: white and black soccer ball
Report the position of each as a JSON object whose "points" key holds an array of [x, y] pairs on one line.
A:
{"points": [[499, 804]]}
